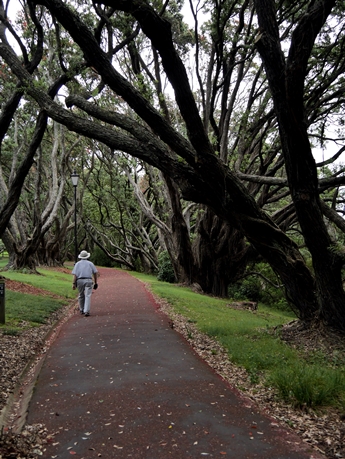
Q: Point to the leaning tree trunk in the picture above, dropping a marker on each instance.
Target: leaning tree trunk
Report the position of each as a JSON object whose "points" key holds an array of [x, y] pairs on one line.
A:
{"points": [[226, 195], [286, 81], [178, 242], [220, 252]]}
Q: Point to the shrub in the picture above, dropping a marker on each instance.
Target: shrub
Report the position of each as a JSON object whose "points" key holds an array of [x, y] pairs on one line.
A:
{"points": [[99, 258], [264, 288], [248, 289], [165, 268]]}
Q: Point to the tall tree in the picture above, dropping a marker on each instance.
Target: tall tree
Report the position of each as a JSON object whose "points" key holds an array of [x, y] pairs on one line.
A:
{"points": [[287, 83], [194, 161], [37, 226], [113, 219]]}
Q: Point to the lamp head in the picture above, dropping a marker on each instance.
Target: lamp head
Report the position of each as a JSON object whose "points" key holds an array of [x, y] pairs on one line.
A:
{"points": [[74, 178]]}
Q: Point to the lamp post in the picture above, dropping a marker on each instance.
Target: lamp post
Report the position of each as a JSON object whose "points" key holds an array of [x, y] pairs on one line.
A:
{"points": [[75, 178]]}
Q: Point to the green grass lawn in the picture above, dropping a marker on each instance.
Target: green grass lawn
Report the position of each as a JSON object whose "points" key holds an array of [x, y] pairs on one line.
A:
{"points": [[24, 310], [55, 282]]}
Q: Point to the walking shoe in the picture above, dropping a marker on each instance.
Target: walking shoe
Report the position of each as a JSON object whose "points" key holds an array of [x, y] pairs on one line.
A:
{"points": [[82, 312], [87, 314]]}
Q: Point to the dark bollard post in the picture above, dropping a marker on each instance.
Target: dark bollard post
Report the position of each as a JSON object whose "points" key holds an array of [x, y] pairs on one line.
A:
{"points": [[2, 301]]}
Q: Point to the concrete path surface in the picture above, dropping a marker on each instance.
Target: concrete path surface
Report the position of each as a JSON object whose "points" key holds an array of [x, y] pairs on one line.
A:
{"points": [[123, 384]]}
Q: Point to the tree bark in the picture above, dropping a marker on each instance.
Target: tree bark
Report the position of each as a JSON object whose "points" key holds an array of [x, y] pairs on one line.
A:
{"points": [[286, 79], [221, 254], [180, 249]]}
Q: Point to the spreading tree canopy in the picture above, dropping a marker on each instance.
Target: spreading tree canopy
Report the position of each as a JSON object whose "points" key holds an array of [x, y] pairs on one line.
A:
{"points": [[192, 147]]}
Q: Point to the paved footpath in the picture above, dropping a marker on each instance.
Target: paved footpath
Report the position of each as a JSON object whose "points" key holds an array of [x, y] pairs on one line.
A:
{"points": [[123, 384]]}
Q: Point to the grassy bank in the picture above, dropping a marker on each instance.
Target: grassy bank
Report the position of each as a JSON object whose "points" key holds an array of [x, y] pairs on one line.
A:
{"points": [[53, 281], [252, 341], [24, 309]]}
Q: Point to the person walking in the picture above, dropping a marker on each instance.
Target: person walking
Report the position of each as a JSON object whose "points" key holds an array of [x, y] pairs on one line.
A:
{"points": [[83, 272]]}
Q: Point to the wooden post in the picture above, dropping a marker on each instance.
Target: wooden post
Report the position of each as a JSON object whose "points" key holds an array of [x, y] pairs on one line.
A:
{"points": [[2, 301]]}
